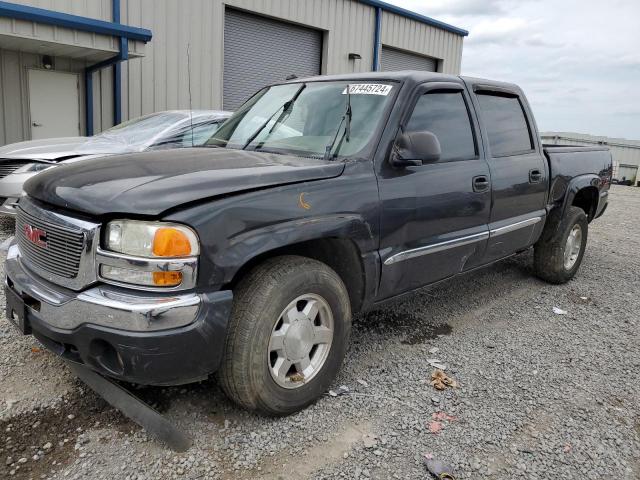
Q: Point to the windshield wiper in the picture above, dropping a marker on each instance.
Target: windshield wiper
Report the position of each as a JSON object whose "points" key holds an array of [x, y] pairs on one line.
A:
{"points": [[346, 134], [286, 110]]}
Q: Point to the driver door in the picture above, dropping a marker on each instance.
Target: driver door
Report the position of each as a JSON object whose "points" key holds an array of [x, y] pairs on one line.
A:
{"points": [[434, 221]]}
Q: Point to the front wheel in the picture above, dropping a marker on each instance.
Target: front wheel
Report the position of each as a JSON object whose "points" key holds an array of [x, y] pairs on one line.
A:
{"points": [[557, 257], [288, 333]]}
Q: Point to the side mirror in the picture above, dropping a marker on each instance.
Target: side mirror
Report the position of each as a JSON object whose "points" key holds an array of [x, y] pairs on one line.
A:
{"points": [[415, 148]]}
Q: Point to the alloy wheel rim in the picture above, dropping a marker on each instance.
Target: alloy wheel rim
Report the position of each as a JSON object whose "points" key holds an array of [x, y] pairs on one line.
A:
{"points": [[300, 341], [572, 247]]}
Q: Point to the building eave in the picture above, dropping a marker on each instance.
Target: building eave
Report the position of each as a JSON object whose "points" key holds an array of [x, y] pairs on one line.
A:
{"points": [[415, 16], [49, 17]]}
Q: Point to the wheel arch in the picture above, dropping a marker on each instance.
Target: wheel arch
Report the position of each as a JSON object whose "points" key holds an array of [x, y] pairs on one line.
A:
{"points": [[345, 243], [341, 254]]}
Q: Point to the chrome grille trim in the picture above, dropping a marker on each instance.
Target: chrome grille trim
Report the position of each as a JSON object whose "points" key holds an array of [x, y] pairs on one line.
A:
{"points": [[7, 167], [69, 258]]}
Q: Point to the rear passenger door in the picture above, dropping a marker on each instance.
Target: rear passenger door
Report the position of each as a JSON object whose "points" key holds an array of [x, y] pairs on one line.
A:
{"points": [[518, 170], [434, 216]]}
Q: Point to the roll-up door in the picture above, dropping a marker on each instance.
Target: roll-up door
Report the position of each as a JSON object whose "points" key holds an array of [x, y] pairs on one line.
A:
{"points": [[259, 51], [394, 60]]}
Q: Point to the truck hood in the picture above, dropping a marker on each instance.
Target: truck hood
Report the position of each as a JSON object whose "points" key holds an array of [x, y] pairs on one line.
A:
{"points": [[150, 183]]}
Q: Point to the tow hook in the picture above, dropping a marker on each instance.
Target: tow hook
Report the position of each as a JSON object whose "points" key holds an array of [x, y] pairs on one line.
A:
{"points": [[134, 408]]}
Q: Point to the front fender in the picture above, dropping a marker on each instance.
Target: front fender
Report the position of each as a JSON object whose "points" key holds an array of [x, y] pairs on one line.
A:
{"points": [[237, 229], [244, 247]]}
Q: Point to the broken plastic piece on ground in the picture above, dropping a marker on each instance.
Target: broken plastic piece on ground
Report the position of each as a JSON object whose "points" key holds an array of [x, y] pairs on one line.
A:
{"points": [[36, 350], [437, 468], [341, 390], [435, 427], [135, 409], [441, 380], [559, 311], [440, 416], [435, 363]]}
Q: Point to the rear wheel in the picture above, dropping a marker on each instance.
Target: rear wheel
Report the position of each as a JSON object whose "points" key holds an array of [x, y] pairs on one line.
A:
{"points": [[288, 334], [558, 255]]}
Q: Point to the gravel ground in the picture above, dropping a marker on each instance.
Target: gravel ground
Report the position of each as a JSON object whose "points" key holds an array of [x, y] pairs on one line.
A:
{"points": [[540, 395]]}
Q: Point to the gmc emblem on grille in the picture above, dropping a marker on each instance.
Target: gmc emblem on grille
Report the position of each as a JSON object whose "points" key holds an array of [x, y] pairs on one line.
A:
{"points": [[36, 235]]}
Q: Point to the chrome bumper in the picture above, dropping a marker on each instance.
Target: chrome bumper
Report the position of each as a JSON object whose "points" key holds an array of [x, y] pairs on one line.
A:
{"points": [[8, 207], [103, 305]]}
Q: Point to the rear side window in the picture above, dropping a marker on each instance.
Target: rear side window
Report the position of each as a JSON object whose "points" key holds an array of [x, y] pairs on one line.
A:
{"points": [[506, 124], [445, 114]]}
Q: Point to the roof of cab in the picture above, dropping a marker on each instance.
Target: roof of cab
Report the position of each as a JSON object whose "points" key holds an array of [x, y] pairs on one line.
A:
{"points": [[412, 76]]}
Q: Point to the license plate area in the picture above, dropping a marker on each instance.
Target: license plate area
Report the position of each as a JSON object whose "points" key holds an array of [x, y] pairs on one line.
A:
{"points": [[17, 310]]}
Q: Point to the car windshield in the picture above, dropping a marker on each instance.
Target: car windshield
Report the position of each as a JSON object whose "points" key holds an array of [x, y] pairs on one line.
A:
{"points": [[134, 135], [317, 119]]}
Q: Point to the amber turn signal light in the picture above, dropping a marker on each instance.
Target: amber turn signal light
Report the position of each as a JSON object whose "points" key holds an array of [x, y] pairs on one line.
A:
{"points": [[167, 279], [171, 242]]}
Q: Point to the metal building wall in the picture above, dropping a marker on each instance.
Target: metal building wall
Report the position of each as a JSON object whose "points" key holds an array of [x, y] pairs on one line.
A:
{"points": [[14, 97], [406, 34], [160, 80], [100, 9]]}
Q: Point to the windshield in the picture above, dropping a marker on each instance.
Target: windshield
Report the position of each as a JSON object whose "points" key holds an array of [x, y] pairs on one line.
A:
{"points": [[134, 135], [312, 119]]}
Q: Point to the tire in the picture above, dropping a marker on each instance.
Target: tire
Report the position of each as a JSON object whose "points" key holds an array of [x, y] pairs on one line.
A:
{"points": [[260, 299], [549, 251]]}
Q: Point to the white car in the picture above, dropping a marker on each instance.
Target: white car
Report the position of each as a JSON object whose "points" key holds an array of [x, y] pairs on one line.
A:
{"points": [[169, 129]]}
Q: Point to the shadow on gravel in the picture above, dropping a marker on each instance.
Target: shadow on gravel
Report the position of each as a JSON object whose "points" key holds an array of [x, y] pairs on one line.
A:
{"points": [[435, 305], [50, 434]]}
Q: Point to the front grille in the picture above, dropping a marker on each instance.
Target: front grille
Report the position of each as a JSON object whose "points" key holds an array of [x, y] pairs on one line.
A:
{"points": [[63, 250], [9, 166]]}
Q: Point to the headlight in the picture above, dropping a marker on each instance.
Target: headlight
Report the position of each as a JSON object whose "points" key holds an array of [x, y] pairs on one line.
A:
{"points": [[34, 167], [155, 241], [149, 239]]}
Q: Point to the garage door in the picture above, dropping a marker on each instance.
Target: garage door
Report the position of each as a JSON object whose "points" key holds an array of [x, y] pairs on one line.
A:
{"points": [[259, 51], [393, 60]]}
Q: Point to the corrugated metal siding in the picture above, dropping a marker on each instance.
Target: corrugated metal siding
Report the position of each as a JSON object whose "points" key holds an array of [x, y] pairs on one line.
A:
{"points": [[406, 34], [100, 9], [396, 60], [348, 28], [14, 96], [259, 51], [160, 80]]}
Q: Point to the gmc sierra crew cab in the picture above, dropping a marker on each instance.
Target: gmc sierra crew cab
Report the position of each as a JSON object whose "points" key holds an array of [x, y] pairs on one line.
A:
{"points": [[319, 198]]}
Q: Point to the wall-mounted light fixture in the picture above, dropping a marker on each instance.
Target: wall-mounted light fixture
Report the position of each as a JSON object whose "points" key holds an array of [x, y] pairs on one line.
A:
{"points": [[354, 56], [47, 62]]}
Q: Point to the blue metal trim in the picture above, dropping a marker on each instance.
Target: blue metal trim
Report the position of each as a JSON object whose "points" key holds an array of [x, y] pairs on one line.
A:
{"points": [[41, 15], [117, 68], [415, 16], [376, 40], [88, 100]]}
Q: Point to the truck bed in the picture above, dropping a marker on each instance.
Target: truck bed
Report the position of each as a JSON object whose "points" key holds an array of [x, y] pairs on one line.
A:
{"points": [[566, 160]]}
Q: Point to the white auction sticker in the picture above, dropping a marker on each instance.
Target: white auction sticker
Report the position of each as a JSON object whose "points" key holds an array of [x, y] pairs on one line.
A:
{"points": [[368, 89]]}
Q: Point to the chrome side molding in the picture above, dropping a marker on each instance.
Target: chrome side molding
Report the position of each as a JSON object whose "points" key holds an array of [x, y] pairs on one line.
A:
{"points": [[515, 226], [458, 242], [436, 247]]}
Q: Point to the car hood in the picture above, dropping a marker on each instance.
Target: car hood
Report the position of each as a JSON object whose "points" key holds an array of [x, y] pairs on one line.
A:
{"points": [[50, 149], [150, 183]]}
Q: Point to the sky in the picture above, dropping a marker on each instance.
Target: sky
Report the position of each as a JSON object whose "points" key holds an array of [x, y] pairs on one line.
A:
{"points": [[577, 61]]}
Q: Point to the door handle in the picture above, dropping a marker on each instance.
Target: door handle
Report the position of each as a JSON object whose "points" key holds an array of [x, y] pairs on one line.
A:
{"points": [[535, 176], [36, 124], [481, 183]]}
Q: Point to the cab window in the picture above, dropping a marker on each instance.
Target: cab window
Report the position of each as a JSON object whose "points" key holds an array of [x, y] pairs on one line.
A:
{"points": [[446, 115]]}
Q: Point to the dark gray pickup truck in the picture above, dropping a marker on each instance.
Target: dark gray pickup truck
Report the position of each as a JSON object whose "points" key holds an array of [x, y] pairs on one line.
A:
{"points": [[317, 199]]}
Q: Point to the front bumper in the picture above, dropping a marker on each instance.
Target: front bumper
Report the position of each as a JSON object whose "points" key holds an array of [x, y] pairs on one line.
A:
{"points": [[138, 337], [8, 205], [11, 189]]}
